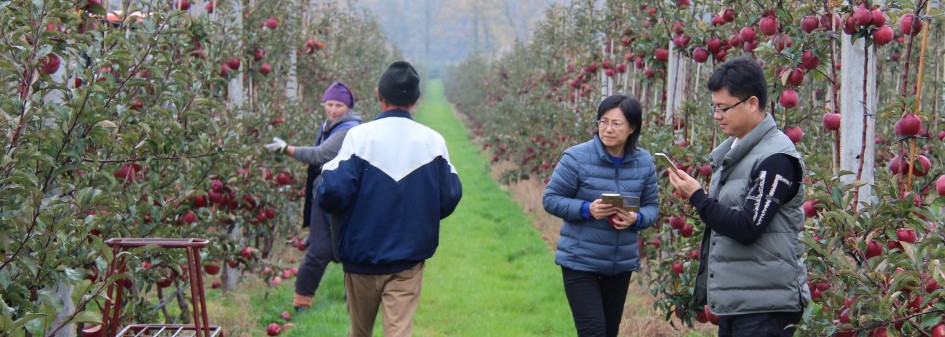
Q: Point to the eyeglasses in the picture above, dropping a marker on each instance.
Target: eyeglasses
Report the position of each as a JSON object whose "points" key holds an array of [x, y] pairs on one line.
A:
{"points": [[616, 125], [714, 109]]}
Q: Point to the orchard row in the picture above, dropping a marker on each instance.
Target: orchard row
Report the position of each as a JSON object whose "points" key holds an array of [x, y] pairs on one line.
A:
{"points": [[147, 119], [857, 86]]}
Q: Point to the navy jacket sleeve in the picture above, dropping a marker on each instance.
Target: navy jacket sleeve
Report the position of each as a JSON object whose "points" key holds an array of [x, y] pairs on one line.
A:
{"points": [[451, 190], [340, 182]]}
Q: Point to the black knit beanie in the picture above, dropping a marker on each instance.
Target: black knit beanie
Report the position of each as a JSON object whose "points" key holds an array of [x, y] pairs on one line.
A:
{"points": [[400, 84]]}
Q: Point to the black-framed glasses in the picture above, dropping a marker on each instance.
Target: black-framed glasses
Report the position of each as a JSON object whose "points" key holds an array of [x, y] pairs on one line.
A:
{"points": [[713, 109]]}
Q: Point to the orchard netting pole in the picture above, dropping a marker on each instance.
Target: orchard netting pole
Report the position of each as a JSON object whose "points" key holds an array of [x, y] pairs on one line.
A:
{"points": [[857, 119], [231, 276], [676, 82]]}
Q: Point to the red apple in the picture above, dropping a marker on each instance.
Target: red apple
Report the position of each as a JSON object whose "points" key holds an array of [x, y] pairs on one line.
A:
{"points": [[832, 121], [656, 242], [181, 5], [861, 16], [873, 248], [216, 284], [728, 14], [910, 25], [233, 63], [939, 330], [686, 230], [265, 69], [283, 179], [189, 217], [897, 165], [662, 54], [200, 201], [276, 281], [621, 68], [768, 25], [258, 54], [713, 44], [747, 34], [286, 316], [879, 332], [877, 17], [794, 133], [810, 208], [681, 41], [809, 23], [908, 125], [700, 55], [795, 77], [246, 253], [677, 267], [809, 60], [749, 46], [127, 172], [883, 35], [923, 166], [212, 268], [788, 98], [940, 185], [713, 318], [849, 25], [677, 222], [169, 275], [274, 329], [50, 64], [906, 235], [272, 23], [701, 317], [209, 6], [717, 20]]}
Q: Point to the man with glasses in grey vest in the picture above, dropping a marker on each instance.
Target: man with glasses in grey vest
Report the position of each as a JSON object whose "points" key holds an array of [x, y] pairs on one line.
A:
{"points": [[751, 271]]}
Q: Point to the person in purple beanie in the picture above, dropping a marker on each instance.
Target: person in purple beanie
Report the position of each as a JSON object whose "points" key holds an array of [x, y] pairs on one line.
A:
{"points": [[338, 102]]}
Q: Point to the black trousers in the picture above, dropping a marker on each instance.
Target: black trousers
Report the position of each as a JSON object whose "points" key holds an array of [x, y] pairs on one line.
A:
{"points": [[596, 301], [767, 324], [317, 257]]}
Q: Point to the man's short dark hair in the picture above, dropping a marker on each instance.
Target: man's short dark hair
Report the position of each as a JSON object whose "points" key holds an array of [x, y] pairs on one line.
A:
{"points": [[742, 77], [631, 110]]}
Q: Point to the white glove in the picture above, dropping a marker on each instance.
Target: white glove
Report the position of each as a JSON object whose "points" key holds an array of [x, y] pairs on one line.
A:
{"points": [[277, 145]]}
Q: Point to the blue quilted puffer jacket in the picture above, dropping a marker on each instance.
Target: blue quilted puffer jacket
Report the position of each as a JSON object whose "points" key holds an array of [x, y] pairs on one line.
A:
{"points": [[584, 172]]}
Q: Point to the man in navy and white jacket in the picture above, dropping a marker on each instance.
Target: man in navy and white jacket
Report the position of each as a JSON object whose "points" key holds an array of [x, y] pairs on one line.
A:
{"points": [[388, 189]]}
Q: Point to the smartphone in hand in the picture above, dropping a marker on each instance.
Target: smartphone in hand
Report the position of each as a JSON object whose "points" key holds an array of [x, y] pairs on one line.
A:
{"points": [[664, 159]]}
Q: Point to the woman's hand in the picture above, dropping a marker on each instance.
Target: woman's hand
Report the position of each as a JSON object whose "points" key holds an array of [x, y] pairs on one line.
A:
{"points": [[600, 210], [683, 182], [623, 219]]}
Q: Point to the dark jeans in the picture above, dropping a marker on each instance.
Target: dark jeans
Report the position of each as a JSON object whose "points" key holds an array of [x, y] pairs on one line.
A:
{"points": [[316, 259], [768, 324], [596, 301]]}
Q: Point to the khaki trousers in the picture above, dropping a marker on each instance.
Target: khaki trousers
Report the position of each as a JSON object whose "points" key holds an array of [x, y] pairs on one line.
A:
{"points": [[398, 293]]}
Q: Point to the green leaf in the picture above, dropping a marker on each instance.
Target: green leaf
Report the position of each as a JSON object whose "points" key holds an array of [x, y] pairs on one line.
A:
{"points": [[88, 316]]}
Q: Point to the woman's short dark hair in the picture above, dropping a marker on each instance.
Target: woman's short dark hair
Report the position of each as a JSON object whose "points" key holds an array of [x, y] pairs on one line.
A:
{"points": [[631, 110], [742, 77]]}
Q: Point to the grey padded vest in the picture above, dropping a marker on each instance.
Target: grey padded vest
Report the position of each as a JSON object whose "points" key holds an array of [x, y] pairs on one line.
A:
{"points": [[768, 275]]}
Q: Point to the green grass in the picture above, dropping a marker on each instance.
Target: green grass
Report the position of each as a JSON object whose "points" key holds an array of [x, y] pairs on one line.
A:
{"points": [[491, 276]]}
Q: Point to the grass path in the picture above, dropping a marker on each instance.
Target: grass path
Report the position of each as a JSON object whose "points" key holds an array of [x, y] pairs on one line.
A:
{"points": [[492, 274]]}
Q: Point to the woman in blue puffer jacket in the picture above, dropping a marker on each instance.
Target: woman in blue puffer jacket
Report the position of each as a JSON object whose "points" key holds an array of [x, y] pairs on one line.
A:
{"points": [[598, 250]]}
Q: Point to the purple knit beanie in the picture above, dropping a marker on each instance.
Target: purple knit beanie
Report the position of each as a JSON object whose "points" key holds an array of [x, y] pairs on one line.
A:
{"points": [[338, 91]]}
